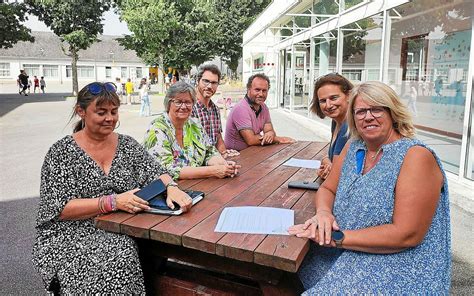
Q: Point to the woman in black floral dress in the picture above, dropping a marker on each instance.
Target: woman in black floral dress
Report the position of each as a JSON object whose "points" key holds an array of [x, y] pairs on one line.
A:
{"points": [[92, 172]]}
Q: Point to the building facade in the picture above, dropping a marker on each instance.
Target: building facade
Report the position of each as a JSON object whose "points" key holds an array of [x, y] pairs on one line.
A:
{"points": [[105, 60], [423, 45]]}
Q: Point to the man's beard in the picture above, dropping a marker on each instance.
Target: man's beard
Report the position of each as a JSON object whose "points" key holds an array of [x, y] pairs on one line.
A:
{"points": [[203, 93]]}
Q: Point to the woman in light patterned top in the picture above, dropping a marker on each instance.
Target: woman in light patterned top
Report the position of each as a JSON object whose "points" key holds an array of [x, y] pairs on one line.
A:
{"points": [[180, 143], [92, 172]]}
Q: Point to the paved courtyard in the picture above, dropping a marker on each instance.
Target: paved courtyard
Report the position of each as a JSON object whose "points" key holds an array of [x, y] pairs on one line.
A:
{"points": [[30, 125]]}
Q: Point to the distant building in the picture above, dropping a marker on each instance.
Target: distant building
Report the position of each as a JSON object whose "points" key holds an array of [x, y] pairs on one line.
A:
{"points": [[103, 61]]}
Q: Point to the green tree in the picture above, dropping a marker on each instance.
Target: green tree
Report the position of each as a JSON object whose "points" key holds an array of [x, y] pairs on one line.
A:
{"points": [[231, 19], [194, 42], [152, 24], [11, 16], [76, 23], [168, 33]]}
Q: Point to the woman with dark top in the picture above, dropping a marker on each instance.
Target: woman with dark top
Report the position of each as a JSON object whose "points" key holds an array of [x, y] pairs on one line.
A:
{"points": [[92, 172], [331, 97]]}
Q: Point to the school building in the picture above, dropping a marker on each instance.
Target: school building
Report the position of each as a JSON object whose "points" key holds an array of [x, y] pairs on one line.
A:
{"points": [[105, 60]]}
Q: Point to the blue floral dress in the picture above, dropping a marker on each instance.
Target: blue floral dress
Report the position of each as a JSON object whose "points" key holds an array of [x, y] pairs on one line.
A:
{"points": [[368, 200], [160, 141]]}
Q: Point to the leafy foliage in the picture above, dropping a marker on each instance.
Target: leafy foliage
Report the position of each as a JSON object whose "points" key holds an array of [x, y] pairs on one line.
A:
{"points": [[183, 33], [75, 22], [232, 18], [168, 33], [11, 16]]}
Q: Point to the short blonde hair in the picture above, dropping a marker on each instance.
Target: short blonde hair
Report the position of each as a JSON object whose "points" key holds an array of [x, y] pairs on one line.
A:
{"points": [[379, 94]]}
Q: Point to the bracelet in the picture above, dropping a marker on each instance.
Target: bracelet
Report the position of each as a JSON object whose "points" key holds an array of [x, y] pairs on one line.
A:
{"points": [[101, 205], [108, 203], [172, 183], [114, 202]]}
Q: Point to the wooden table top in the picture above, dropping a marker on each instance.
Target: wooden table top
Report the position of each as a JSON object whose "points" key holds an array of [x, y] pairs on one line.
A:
{"points": [[262, 181]]}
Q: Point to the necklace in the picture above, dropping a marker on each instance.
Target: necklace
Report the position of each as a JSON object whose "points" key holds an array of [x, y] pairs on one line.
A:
{"points": [[380, 148]]}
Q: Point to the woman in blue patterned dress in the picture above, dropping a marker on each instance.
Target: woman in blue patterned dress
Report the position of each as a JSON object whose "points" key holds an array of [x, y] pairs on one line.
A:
{"points": [[180, 142], [382, 221], [92, 172]]}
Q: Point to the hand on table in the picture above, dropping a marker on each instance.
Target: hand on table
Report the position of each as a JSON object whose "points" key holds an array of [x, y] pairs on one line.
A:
{"points": [[325, 168], [285, 140], [318, 228], [129, 202], [267, 138], [174, 194], [230, 169], [230, 153]]}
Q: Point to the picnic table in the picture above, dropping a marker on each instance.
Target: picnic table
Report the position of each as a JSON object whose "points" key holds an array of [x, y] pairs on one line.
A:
{"points": [[208, 262]]}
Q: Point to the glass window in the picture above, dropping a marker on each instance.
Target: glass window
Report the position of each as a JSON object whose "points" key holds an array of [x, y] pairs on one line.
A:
{"points": [[50, 71], [352, 74], [123, 72], [362, 48], [329, 7], [85, 72], [350, 3], [32, 69], [428, 65], [4, 69], [258, 63], [139, 72], [82, 71], [108, 72], [325, 49], [470, 149]]}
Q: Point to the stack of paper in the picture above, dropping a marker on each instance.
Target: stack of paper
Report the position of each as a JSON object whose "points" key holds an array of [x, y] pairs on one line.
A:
{"points": [[255, 220]]}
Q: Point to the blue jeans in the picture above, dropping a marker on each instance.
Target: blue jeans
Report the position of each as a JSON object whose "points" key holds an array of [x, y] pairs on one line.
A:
{"points": [[145, 102]]}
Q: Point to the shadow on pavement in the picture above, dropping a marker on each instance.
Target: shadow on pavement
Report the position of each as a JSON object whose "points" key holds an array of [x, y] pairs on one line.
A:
{"points": [[9, 102], [18, 276]]}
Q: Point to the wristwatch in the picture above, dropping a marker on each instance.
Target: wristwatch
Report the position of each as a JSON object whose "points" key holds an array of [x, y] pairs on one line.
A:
{"points": [[337, 236], [172, 183]]}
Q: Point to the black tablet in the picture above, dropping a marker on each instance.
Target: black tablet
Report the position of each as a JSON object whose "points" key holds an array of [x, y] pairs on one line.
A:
{"points": [[304, 185], [152, 190]]}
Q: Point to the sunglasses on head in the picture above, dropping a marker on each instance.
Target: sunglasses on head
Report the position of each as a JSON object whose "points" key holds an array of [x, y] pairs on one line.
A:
{"points": [[96, 88]]}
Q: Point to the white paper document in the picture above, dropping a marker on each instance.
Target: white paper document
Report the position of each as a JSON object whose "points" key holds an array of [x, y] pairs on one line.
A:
{"points": [[255, 220], [303, 163]]}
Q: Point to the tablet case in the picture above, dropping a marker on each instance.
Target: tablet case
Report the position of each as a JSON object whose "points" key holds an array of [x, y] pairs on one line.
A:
{"points": [[304, 185], [155, 194], [158, 204]]}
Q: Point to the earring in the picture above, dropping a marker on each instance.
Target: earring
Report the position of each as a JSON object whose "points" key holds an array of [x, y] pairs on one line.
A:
{"points": [[83, 123], [117, 126]]}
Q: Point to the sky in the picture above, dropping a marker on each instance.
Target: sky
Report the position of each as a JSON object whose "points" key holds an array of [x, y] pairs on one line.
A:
{"points": [[112, 24]]}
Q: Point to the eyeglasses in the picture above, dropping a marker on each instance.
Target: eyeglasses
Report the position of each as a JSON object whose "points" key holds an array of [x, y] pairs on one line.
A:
{"points": [[212, 83], [178, 104], [96, 88], [361, 113]]}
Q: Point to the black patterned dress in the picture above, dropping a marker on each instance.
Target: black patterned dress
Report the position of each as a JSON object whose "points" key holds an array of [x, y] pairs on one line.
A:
{"points": [[82, 258]]}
